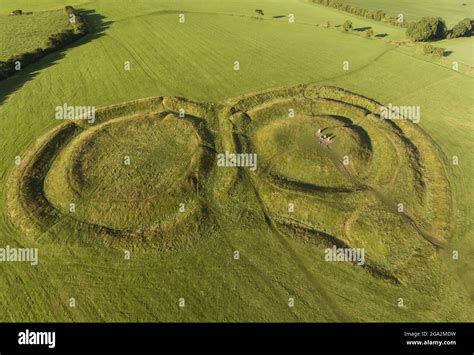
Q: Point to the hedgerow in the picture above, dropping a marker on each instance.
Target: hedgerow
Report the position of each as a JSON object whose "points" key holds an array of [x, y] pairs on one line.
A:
{"points": [[377, 15]]}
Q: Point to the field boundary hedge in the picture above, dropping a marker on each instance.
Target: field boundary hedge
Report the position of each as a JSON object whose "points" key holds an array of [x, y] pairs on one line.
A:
{"points": [[377, 15], [55, 42]]}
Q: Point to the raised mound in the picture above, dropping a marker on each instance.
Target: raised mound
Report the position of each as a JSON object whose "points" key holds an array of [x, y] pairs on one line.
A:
{"points": [[119, 172], [330, 172], [288, 146], [133, 177], [333, 172]]}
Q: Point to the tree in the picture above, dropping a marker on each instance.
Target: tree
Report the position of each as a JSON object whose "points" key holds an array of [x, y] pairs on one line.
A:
{"points": [[347, 25], [369, 33], [379, 15], [17, 12], [463, 29], [435, 51], [427, 29], [428, 48], [259, 13], [69, 9], [438, 52], [328, 24]]}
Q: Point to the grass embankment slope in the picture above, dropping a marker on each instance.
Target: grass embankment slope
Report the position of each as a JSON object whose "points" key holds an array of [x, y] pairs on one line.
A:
{"points": [[195, 60], [25, 33]]}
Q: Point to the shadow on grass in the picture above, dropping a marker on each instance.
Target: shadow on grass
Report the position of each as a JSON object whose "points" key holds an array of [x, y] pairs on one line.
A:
{"points": [[381, 35], [362, 29], [96, 26]]}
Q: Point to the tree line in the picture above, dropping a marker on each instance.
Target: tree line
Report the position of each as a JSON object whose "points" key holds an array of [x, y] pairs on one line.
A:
{"points": [[434, 28], [427, 29], [377, 15]]}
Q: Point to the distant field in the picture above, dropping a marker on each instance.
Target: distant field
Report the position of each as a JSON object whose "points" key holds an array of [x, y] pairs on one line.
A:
{"points": [[20, 34], [450, 10], [8, 6], [196, 60]]}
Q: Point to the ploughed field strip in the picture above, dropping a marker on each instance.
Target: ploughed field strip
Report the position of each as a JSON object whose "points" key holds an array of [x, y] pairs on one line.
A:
{"points": [[145, 175]]}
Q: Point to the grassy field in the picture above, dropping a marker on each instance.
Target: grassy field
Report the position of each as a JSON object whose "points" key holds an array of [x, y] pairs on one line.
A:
{"points": [[196, 60], [462, 49], [452, 11], [21, 34]]}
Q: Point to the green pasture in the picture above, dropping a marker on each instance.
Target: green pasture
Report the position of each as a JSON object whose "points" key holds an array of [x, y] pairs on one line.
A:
{"points": [[25, 33], [452, 11], [196, 60]]}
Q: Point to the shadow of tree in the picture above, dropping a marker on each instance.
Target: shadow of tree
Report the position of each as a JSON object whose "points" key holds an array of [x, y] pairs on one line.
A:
{"points": [[96, 25], [362, 29], [381, 35]]}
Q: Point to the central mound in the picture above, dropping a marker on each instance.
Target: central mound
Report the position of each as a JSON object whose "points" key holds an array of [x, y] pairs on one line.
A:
{"points": [[293, 150], [119, 172]]}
